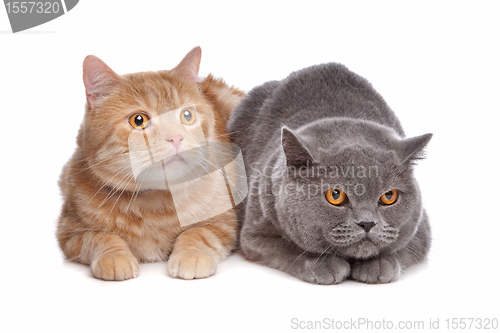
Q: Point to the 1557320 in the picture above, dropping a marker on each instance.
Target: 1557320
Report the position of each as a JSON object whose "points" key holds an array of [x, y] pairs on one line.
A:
{"points": [[472, 323], [25, 7]]}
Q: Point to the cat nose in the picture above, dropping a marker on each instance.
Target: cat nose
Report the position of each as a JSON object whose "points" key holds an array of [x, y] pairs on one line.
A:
{"points": [[366, 225], [176, 140]]}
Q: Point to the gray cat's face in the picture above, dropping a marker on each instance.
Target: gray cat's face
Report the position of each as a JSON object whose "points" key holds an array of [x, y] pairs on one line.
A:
{"points": [[351, 195]]}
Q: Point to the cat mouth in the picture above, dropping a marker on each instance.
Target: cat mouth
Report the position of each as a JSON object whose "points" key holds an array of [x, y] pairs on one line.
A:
{"points": [[168, 164], [369, 238], [355, 245], [173, 159], [365, 248]]}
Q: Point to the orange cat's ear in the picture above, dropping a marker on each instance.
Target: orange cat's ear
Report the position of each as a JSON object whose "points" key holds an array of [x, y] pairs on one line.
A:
{"points": [[98, 78], [189, 66]]}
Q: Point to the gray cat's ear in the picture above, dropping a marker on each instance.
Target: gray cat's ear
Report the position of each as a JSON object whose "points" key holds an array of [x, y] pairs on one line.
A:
{"points": [[412, 148], [296, 154], [98, 79], [189, 67]]}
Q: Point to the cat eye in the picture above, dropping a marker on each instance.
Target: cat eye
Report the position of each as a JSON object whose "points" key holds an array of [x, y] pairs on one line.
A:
{"points": [[188, 116], [335, 196], [139, 121], [388, 198]]}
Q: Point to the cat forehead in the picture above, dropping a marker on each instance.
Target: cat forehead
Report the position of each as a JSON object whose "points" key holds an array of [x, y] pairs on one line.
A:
{"points": [[158, 91], [357, 157], [354, 154], [349, 131], [348, 141], [351, 152]]}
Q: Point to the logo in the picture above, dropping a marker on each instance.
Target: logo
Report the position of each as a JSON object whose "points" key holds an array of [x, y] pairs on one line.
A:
{"points": [[28, 14]]}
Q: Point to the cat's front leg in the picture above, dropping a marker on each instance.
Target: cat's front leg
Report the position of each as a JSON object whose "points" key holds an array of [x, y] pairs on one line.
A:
{"points": [[108, 254], [383, 269], [111, 258], [115, 267], [387, 268], [326, 269], [266, 246], [198, 250]]}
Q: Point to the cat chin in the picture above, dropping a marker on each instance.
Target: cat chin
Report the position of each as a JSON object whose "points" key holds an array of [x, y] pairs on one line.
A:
{"points": [[169, 171], [363, 249], [175, 169]]}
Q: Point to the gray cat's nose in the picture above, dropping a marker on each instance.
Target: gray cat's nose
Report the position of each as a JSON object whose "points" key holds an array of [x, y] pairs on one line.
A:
{"points": [[366, 225]]}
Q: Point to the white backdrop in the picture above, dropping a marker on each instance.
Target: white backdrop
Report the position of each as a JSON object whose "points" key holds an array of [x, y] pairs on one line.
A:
{"points": [[437, 65]]}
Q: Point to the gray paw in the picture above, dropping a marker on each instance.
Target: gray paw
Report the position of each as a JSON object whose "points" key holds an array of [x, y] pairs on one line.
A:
{"points": [[378, 270], [325, 270]]}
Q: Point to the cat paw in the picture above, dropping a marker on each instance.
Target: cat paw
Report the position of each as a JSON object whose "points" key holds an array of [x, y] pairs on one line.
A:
{"points": [[115, 267], [379, 270], [329, 270], [193, 265]]}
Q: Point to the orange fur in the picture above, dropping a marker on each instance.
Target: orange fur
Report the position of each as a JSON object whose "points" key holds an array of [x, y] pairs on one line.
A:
{"points": [[106, 220]]}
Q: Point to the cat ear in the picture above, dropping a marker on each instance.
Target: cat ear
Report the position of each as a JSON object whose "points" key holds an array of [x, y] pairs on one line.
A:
{"points": [[98, 78], [296, 154], [189, 66], [412, 148]]}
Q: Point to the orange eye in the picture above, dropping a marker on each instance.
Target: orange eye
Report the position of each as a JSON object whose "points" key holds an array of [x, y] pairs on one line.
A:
{"points": [[335, 196], [139, 121], [188, 116], [388, 198]]}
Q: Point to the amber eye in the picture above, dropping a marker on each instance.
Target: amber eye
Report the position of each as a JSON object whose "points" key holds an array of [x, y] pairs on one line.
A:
{"points": [[188, 116], [335, 196], [388, 198], [139, 121]]}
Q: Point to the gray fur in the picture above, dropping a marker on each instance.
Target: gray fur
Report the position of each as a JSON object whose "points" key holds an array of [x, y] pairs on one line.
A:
{"points": [[326, 127]]}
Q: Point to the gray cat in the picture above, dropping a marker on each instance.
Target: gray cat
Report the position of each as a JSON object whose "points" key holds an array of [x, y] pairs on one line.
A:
{"points": [[330, 174]]}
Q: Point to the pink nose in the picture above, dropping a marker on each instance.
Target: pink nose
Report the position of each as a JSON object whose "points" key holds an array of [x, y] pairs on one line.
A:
{"points": [[176, 140]]}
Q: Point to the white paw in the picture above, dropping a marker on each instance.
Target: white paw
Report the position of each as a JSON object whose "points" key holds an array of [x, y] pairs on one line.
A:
{"points": [[115, 267], [191, 265]]}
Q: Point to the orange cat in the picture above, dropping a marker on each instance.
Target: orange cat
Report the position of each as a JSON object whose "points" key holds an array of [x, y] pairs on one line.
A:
{"points": [[138, 128]]}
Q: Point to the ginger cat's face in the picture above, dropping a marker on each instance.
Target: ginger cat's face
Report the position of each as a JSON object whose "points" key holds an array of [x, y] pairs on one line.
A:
{"points": [[145, 130], [168, 147]]}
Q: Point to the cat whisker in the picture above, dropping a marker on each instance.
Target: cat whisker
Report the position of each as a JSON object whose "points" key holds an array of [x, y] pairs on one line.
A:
{"points": [[100, 162], [414, 254], [319, 256], [131, 177], [114, 190], [210, 174], [87, 157], [209, 162], [211, 139], [94, 165], [236, 187], [135, 193], [231, 183], [296, 260], [128, 179], [325, 256], [103, 186]]}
